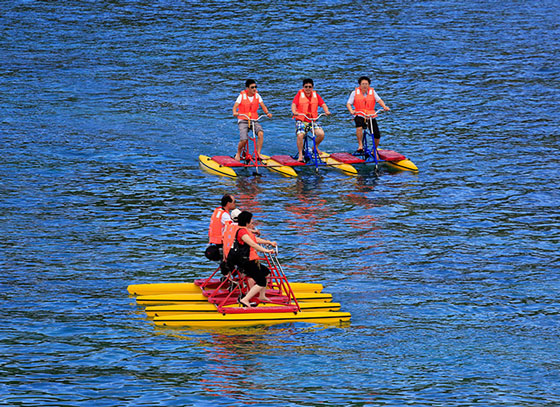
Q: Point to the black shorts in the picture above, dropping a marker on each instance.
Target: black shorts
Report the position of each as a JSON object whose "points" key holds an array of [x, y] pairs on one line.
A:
{"points": [[361, 122], [257, 272]]}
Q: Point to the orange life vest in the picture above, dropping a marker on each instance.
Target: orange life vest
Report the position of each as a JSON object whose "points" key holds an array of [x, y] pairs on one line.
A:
{"points": [[365, 103], [247, 107], [215, 232], [309, 107], [253, 255], [229, 237]]}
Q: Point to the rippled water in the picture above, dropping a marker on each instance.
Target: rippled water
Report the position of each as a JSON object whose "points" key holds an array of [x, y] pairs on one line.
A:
{"points": [[451, 275]]}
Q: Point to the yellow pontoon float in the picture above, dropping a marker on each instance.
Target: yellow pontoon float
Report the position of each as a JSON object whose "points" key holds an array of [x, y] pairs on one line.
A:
{"points": [[212, 302]]}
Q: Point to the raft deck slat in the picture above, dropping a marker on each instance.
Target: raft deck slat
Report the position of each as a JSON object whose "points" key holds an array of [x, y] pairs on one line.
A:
{"points": [[347, 158], [390, 155], [227, 161], [287, 160]]}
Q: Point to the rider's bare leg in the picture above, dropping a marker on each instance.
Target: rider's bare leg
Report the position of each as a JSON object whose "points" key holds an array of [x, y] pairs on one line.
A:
{"points": [[360, 137], [256, 289], [300, 137], [262, 295], [260, 139], [319, 137], [239, 149]]}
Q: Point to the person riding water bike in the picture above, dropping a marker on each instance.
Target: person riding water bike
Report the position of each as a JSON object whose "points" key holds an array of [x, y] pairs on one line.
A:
{"points": [[364, 98], [244, 256], [304, 108], [245, 108], [219, 220]]}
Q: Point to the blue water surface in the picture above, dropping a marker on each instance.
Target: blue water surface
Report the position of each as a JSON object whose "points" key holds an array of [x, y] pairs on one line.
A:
{"points": [[451, 275]]}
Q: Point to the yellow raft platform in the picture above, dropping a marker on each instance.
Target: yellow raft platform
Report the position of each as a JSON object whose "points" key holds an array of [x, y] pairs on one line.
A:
{"points": [[281, 164], [285, 165], [208, 303]]}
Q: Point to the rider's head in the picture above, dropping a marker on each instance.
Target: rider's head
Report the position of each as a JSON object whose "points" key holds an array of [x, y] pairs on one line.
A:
{"points": [[308, 86], [228, 200], [250, 82], [251, 87], [234, 214], [244, 218], [364, 78]]}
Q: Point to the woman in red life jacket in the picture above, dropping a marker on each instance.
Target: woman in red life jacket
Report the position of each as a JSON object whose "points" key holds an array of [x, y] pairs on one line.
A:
{"points": [[364, 98], [306, 102], [230, 233], [252, 267], [247, 105]]}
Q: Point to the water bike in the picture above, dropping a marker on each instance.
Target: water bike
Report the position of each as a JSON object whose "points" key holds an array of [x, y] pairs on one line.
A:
{"points": [[226, 165], [312, 157], [286, 164], [377, 156], [214, 302]]}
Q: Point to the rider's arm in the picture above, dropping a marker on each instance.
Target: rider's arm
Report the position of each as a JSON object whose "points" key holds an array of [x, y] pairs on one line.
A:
{"points": [[264, 241], [247, 239], [325, 108], [294, 109], [235, 106], [265, 109], [380, 101], [350, 102], [383, 105]]}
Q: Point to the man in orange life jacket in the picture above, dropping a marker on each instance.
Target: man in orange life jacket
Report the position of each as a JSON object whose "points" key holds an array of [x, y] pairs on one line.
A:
{"points": [[220, 218], [246, 106], [364, 98], [306, 103]]}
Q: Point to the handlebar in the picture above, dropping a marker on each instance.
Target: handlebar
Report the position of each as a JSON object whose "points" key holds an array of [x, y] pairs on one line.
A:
{"points": [[310, 118], [362, 114], [275, 248], [253, 120]]}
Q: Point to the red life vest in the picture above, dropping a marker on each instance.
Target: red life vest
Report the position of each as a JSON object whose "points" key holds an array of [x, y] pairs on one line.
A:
{"points": [[248, 108], [229, 237], [309, 107], [215, 232], [365, 103], [253, 255]]}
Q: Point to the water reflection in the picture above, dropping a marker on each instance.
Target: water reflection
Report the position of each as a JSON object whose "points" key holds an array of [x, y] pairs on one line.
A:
{"points": [[247, 195], [306, 208], [235, 359]]}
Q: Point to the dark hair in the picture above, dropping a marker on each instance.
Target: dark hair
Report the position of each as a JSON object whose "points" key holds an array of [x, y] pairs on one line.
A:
{"points": [[244, 218], [364, 78], [249, 82], [227, 198], [308, 80]]}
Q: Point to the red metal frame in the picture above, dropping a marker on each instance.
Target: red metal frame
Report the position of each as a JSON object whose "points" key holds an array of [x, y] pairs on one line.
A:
{"points": [[225, 291], [250, 160]]}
